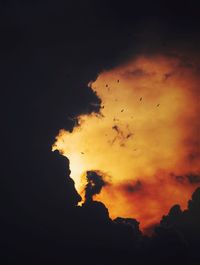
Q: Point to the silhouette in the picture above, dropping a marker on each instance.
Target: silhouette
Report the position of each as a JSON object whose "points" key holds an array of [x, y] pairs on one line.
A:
{"points": [[94, 185]]}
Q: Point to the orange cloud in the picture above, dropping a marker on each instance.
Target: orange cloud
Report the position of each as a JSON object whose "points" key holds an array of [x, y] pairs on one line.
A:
{"points": [[144, 138]]}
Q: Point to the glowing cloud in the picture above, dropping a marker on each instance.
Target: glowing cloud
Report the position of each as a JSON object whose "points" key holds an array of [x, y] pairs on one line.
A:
{"points": [[145, 138]]}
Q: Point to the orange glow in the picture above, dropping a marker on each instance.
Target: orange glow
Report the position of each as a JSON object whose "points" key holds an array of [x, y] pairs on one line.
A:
{"points": [[146, 135]]}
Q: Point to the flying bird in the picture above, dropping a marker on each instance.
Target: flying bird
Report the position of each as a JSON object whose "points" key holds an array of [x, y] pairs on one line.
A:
{"points": [[129, 135], [141, 99], [115, 127]]}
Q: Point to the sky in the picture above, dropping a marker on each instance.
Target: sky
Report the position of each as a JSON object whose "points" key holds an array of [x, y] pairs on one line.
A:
{"points": [[56, 59]]}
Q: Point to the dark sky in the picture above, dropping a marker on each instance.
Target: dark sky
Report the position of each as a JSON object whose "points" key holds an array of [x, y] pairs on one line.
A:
{"points": [[49, 51]]}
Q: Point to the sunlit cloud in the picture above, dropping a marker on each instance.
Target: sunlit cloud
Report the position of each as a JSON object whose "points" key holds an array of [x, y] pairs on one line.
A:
{"points": [[145, 136]]}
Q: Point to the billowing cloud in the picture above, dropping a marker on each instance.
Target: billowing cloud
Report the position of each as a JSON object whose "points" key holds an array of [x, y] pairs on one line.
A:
{"points": [[146, 133]]}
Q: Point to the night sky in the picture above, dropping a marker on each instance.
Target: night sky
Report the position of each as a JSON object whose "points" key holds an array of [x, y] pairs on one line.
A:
{"points": [[50, 51]]}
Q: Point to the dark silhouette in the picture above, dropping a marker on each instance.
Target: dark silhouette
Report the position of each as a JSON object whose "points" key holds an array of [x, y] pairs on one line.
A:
{"points": [[94, 185]]}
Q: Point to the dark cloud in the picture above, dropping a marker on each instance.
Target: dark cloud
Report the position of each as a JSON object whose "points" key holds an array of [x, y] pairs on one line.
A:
{"points": [[132, 187], [180, 179], [95, 183], [191, 178]]}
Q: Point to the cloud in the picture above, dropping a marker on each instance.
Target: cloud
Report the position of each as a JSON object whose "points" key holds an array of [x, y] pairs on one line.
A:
{"points": [[192, 178], [146, 129], [95, 183], [132, 187]]}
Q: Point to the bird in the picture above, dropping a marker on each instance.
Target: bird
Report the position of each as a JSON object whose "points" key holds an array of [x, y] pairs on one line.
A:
{"points": [[115, 127], [141, 99], [122, 110], [129, 135], [158, 105]]}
